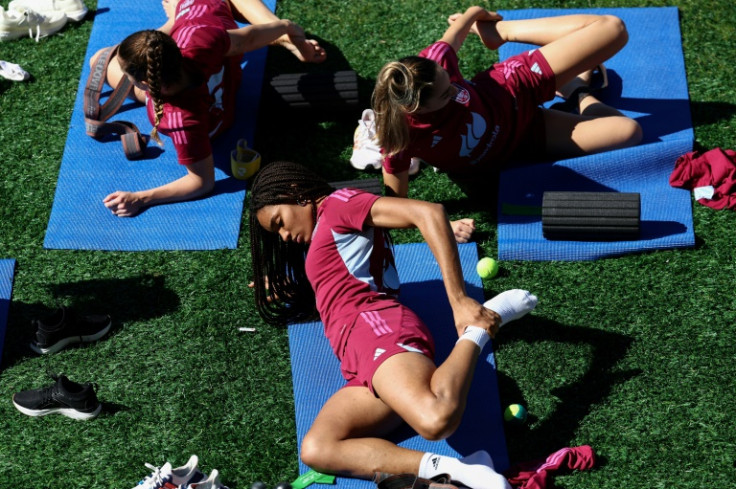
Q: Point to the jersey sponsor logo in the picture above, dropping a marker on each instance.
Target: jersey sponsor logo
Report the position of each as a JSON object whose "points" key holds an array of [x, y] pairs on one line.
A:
{"points": [[378, 353], [475, 131]]}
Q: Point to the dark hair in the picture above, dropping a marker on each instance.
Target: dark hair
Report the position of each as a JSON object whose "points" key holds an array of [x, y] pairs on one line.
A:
{"points": [[402, 87], [283, 293], [153, 57]]}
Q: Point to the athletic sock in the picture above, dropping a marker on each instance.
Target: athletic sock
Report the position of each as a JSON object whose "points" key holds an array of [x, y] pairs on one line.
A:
{"points": [[474, 476], [512, 304]]}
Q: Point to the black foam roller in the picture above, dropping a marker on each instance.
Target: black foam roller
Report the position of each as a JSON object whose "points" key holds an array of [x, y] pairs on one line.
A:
{"points": [[330, 91], [591, 216]]}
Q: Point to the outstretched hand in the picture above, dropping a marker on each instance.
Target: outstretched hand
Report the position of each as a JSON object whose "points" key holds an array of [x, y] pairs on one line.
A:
{"points": [[123, 204], [469, 312]]}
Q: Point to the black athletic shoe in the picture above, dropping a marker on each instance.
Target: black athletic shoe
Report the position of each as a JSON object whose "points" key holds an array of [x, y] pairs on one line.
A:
{"points": [[64, 328], [64, 397]]}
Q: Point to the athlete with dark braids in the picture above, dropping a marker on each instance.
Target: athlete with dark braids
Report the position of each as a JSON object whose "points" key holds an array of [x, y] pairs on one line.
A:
{"points": [[187, 73], [320, 250]]}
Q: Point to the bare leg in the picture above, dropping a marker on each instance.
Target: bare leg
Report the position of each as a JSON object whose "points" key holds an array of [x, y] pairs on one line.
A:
{"points": [[571, 44], [256, 12], [346, 436], [597, 129]]}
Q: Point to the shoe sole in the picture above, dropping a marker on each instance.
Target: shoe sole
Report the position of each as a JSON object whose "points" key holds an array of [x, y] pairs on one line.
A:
{"points": [[68, 412], [76, 15], [61, 344]]}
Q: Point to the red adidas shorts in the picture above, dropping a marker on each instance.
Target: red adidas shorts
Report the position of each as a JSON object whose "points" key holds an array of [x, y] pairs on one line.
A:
{"points": [[377, 336]]}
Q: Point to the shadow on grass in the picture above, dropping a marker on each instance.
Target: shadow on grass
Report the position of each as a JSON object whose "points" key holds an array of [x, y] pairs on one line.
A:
{"points": [[125, 300], [576, 398]]}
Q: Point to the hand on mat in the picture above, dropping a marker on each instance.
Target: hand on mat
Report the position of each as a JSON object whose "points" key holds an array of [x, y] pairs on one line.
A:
{"points": [[123, 204], [468, 312], [463, 229]]}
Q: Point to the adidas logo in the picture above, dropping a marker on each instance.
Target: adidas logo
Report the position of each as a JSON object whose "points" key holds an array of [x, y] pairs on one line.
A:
{"points": [[536, 69], [378, 353], [435, 462], [436, 139]]}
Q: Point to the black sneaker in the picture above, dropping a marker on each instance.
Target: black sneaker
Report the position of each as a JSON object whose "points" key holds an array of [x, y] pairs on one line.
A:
{"points": [[65, 397], [63, 328]]}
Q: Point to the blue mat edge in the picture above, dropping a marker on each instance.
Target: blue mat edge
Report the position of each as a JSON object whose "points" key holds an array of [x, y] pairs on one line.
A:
{"points": [[7, 275]]}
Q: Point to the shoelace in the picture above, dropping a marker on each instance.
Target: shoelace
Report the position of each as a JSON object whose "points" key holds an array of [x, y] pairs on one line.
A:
{"points": [[31, 17], [153, 480]]}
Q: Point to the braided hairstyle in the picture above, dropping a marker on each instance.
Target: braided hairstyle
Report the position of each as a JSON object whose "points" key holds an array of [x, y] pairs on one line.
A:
{"points": [[153, 57], [402, 87], [282, 291]]}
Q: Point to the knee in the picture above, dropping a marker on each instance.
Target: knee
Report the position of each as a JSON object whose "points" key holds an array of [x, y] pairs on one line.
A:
{"points": [[617, 29], [315, 452], [438, 425], [631, 132]]}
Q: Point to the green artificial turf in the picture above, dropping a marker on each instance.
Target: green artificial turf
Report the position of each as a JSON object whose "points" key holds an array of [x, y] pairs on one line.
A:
{"points": [[632, 355]]}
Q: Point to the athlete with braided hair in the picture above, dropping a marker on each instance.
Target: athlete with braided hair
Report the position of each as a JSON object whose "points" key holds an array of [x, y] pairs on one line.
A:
{"points": [[320, 250], [187, 73]]}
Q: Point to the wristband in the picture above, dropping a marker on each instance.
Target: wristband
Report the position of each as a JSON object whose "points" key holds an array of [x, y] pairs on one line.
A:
{"points": [[477, 335]]}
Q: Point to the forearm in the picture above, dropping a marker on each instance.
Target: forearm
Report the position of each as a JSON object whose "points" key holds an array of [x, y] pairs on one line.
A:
{"points": [[435, 228], [458, 31], [254, 37], [185, 188]]}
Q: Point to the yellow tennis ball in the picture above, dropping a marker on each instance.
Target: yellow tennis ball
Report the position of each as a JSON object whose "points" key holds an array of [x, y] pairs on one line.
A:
{"points": [[515, 414], [487, 267]]}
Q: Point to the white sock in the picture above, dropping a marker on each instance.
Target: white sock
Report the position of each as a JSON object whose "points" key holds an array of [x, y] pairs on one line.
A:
{"points": [[512, 304], [474, 476]]}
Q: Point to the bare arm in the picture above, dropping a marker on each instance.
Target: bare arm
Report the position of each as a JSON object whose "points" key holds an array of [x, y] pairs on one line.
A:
{"points": [[460, 27], [397, 184], [432, 222], [252, 37], [199, 180]]}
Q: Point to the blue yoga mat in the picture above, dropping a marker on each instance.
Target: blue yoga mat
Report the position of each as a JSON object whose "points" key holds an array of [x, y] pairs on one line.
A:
{"points": [[91, 169], [647, 82], [7, 271], [316, 371]]}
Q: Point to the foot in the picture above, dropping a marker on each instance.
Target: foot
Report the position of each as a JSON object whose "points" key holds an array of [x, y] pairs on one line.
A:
{"points": [[512, 304], [486, 30]]}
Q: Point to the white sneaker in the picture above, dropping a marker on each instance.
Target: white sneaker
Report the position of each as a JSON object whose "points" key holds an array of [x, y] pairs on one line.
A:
{"points": [[179, 476], [74, 9], [366, 152], [15, 24], [13, 72], [212, 482]]}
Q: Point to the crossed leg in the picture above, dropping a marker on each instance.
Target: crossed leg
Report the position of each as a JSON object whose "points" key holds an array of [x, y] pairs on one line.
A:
{"points": [[347, 436], [572, 45]]}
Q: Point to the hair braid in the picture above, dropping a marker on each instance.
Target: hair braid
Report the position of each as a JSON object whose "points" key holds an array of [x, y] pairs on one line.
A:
{"points": [[282, 291], [401, 89], [153, 57]]}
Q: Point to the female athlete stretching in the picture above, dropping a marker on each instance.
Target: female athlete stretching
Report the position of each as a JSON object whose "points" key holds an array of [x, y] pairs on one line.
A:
{"points": [[317, 249], [426, 109]]}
